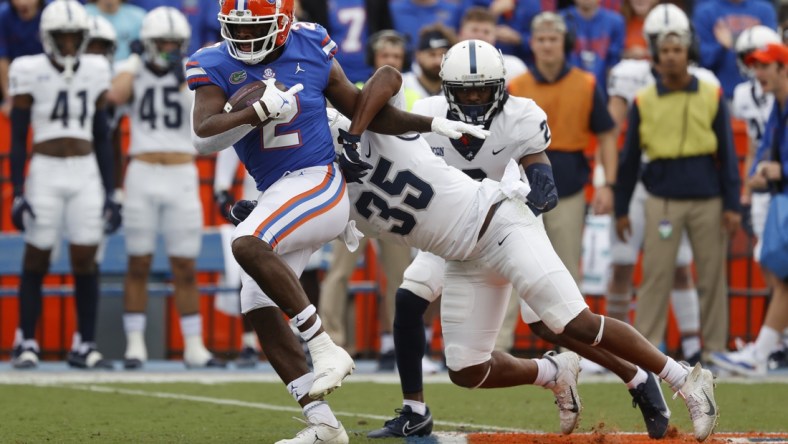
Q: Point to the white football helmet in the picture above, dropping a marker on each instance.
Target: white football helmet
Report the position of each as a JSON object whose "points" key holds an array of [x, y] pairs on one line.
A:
{"points": [[164, 23], [101, 30], [473, 64], [749, 40], [663, 19], [63, 16]]}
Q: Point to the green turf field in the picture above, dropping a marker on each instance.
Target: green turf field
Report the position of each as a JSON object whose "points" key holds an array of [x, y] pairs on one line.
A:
{"points": [[262, 412]]}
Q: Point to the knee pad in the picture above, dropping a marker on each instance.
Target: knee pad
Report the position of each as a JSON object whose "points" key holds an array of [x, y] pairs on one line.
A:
{"points": [[424, 277], [459, 356]]}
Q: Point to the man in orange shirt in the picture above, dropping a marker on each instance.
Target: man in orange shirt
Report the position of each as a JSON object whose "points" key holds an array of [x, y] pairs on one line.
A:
{"points": [[576, 111]]}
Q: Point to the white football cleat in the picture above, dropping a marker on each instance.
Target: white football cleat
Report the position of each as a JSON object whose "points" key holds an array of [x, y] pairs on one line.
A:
{"points": [[743, 361], [698, 394], [331, 365], [318, 433], [565, 388]]}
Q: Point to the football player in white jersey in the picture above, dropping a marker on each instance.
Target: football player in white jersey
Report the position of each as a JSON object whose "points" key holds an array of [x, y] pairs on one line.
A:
{"points": [[626, 79], [161, 183], [490, 235], [62, 93], [473, 76]]}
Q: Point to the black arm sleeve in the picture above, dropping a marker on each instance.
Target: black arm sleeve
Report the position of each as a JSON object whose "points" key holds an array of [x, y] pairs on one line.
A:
{"points": [[103, 147], [20, 123]]}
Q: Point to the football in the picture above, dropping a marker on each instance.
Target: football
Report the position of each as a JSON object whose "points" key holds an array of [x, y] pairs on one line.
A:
{"points": [[247, 95]]}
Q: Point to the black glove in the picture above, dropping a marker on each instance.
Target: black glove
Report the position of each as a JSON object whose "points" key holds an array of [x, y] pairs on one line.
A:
{"points": [[136, 47], [241, 210], [18, 209], [224, 200], [111, 216], [543, 196], [353, 168]]}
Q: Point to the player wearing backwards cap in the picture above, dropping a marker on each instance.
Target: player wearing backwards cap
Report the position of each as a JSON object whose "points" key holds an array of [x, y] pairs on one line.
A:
{"points": [[770, 65], [284, 142]]}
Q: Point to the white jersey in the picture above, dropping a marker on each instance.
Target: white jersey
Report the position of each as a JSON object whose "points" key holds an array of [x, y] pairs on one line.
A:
{"points": [[61, 108], [413, 197], [160, 114], [518, 130], [630, 76], [753, 106]]}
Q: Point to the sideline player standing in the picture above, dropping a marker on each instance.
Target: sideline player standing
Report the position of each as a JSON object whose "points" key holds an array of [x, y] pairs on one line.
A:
{"points": [[63, 91], [161, 183], [285, 143]]}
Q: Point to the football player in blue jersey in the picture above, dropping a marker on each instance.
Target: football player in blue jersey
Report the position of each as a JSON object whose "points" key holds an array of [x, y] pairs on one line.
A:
{"points": [[284, 141]]}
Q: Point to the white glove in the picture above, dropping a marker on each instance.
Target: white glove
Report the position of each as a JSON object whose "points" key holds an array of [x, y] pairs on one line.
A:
{"points": [[277, 103], [454, 129]]}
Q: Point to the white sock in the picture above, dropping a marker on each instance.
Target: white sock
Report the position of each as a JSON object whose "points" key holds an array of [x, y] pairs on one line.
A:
{"points": [[674, 374], [134, 322], [386, 342], [768, 340], [76, 341], [319, 412], [418, 408], [690, 345], [191, 325], [785, 338], [546, 372], [640, 377], [428, 335], [249, 339], [30, 344], [686, 308]]}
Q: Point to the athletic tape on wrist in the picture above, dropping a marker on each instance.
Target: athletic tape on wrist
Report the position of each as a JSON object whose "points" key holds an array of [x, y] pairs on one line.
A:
{"points": [[258, 108]]}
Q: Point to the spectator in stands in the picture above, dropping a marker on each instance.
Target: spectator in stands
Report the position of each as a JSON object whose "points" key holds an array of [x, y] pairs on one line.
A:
{"points": [[385, 48], [201, 15], [770, 65], [635, 12], [350, 23], [410, 17], [424, 78], [19, 22], [597, 37], [125, 18], [62, 193], [161, 183], [479, 23], [718, 23], [573, 124], [513, 21], [681, 124]]}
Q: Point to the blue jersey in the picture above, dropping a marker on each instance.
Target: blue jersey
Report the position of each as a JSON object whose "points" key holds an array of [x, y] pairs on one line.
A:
{"points": [[272, 150], [349, 23]]}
